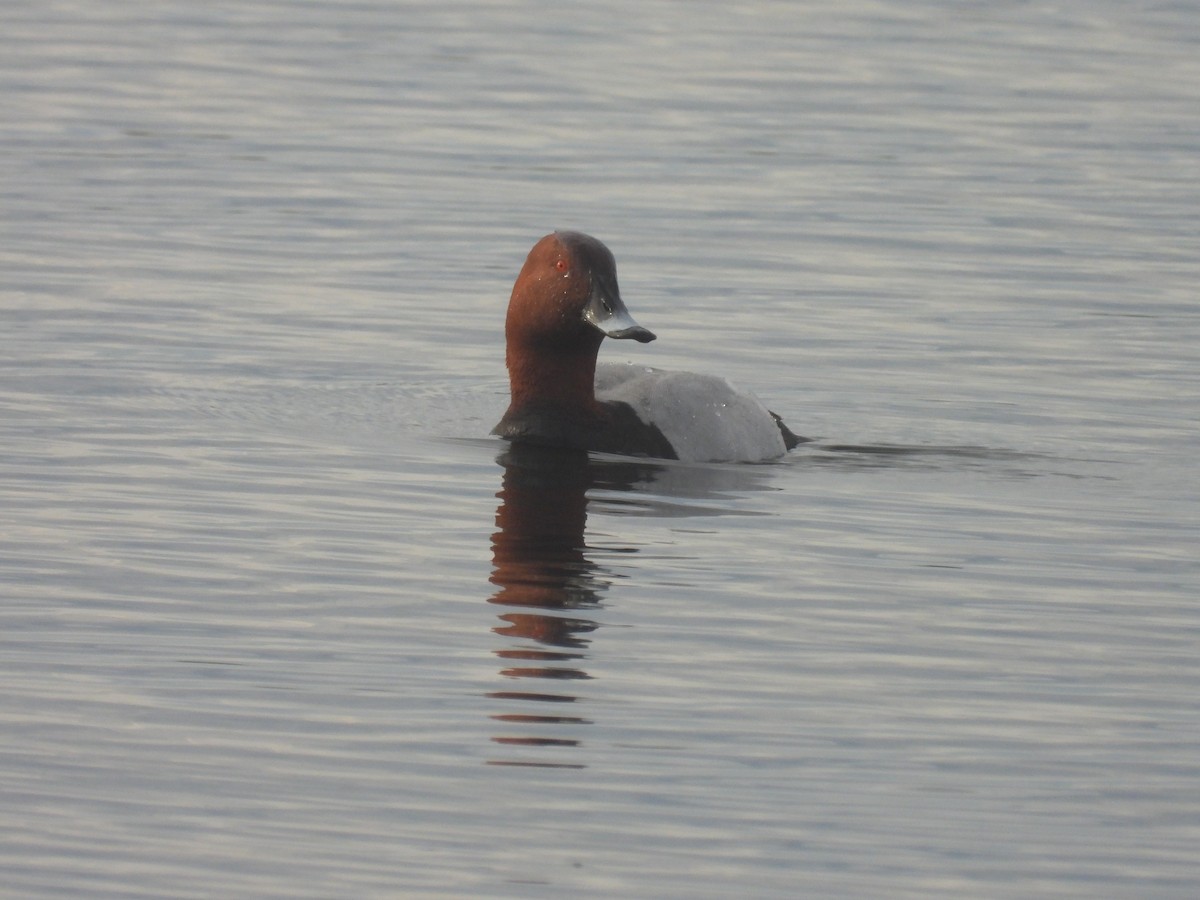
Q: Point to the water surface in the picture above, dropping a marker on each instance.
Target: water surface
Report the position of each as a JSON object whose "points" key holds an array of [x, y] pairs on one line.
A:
{"points": [[280, 619]]}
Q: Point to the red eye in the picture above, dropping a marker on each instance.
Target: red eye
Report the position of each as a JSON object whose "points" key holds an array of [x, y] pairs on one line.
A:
{"points": [[561, 265]]}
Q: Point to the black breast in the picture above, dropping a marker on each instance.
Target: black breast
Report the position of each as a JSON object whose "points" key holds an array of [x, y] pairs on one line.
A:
{"points": [[616, 429]]}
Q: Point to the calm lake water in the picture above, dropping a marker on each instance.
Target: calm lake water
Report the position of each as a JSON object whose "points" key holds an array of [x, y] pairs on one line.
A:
{"points": [[280, 619]]}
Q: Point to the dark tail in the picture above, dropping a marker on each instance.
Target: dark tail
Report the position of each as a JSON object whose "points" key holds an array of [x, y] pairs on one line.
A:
{"points": [[790, 440]]}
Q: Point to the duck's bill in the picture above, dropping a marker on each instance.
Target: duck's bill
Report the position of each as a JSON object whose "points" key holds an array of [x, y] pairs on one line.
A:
{"points": [[606, 312]]}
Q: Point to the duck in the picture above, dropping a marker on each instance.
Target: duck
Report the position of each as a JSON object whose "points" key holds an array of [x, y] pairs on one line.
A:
{"points": [[564, 303]]}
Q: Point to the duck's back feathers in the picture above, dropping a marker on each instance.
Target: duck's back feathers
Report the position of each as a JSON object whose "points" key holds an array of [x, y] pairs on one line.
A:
{"points": [[703, 417]]}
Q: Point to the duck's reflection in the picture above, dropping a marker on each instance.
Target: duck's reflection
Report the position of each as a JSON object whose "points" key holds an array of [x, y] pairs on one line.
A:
{"points": [[543, 571], [549, 580]]}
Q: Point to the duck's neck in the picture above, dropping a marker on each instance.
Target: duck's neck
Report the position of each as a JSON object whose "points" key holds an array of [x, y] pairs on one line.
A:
{"points": [[553, 379]]}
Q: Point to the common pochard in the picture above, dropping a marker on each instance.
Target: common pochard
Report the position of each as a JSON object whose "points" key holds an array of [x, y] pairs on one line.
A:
{"points": [[565, 301]]}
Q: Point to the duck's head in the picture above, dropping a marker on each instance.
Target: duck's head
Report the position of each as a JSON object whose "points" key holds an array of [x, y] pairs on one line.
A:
{"points": [[566, 297]]}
